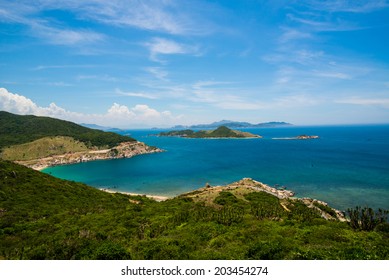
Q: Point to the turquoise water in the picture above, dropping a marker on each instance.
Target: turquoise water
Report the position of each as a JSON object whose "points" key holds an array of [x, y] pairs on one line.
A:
{"points": [[347, 166]]}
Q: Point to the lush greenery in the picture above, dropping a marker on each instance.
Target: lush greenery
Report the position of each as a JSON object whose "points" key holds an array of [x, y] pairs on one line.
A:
{"points": [[16, 129], [366, 218], [43, 147], [42, 217], [220, 132]]}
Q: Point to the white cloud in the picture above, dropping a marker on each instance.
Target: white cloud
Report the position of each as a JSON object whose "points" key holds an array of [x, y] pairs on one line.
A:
{"points": [[63, 36], [117, 115], [136, 94], [58, 35], [293, 34], [167, 16], [158, 72], [161, 46], [380, 102], [336, 75], [361, 6], [146, 111]]}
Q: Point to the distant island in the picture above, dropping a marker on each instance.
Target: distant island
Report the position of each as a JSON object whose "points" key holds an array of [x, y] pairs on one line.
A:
{"points": [[231, 124], [305, 137], [300, 137], [220, 132]]}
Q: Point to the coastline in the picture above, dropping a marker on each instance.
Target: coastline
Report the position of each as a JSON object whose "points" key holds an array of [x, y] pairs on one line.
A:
{"points": [[123, 150], [247, 185], [251, 185]]}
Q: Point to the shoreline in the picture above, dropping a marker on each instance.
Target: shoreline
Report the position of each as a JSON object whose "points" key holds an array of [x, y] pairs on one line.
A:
{"points": [[281, 194], [123, 150], [252, 185]]}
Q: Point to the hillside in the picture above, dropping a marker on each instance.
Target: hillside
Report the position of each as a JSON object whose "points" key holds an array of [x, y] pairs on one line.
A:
{"points": [[44, 147], [18, 129], [220, 132], [42, 217]]}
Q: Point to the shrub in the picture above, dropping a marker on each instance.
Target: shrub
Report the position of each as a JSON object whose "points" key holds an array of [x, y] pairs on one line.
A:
{"points": [[366, 218]]}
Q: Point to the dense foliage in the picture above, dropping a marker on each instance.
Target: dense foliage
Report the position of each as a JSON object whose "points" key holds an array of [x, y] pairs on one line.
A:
{"points": [[42, 217], [17, 129], [366, 218]]}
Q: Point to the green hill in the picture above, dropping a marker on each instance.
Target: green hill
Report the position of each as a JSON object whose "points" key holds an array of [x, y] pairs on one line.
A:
{"points": [[18, 129], [42, 217], [44, 147], [220, 132]]}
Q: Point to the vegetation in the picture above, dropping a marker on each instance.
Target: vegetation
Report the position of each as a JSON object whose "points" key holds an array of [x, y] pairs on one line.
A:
{"points": [[220, 132], [44, 147], [366, 218], [16, 129], [42, 217]]}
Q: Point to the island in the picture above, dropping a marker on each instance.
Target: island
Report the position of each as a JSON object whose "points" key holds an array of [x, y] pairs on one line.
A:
{"points": [[300, 137], [306, 137], [232, 124], [220, 132]]}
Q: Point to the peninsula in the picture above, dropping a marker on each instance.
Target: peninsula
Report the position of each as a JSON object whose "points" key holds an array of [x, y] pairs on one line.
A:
{"points": [[40, 142], [220, 132]]}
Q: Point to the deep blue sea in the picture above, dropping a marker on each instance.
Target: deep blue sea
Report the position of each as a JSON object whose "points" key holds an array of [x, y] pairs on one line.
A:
{"points": [[347, 166]]}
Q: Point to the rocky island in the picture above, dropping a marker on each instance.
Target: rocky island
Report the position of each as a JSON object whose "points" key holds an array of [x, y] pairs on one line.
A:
{"points": [[306, 137], [220, 132], [300, 137]]}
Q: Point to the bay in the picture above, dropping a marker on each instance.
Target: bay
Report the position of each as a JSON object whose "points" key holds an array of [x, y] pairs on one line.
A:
{"points": [[347, 166]]}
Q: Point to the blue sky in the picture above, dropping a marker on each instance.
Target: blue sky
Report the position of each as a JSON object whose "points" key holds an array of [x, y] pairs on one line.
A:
{"points": [[133, 64]]}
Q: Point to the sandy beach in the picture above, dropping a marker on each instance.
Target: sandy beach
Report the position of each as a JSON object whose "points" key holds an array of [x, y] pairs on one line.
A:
{"points": [[155, 197]]}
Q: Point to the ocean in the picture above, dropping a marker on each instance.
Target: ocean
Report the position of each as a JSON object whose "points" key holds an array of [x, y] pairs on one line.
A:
{"points": [[346, 167]]}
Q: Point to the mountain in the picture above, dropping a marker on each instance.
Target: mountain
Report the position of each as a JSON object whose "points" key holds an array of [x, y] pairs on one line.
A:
{"points": [[220, 132], [232, 124], [99, 127], [42, 217], [19, 129]]}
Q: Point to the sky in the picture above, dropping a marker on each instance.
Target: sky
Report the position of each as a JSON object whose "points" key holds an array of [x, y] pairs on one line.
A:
{"points": [[142, 64]]}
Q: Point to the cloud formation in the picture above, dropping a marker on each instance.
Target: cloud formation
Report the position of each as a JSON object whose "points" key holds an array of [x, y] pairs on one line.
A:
{"points": [[161, 46], [117, 115]]}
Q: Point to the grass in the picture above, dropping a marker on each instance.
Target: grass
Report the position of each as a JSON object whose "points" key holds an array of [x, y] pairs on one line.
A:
{"points": [[44, 147]]}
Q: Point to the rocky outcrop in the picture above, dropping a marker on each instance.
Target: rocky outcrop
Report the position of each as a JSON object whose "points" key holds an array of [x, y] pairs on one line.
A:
{"points": [[258, 186], [284, 196], [123, 150]]}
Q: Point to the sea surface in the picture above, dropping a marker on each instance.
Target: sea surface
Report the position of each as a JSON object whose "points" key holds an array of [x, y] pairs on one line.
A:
{"points": [[347, 166]]}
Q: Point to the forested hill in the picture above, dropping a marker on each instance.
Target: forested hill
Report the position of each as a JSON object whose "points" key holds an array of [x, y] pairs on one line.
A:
{"points": [[19, 129], [42, 217], [220, 132]]}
